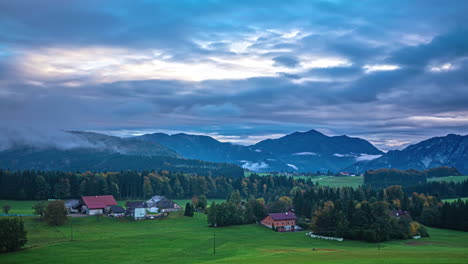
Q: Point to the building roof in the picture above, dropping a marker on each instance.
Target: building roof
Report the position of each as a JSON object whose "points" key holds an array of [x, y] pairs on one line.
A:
{"points": [[136, 204], [72, 203], [98, 202], [283, 216], [154, 200], [117, 209]]}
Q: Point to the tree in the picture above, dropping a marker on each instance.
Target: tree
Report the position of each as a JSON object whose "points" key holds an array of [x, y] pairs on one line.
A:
{"points": [[235, 197], [6, 208], [202, 202], [147, 188], [188, 210], [12, 234], [55, 213], [62, 188], [39, 208], [42, 188]]}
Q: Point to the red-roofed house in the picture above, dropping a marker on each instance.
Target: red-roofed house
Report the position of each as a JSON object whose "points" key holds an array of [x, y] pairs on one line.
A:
{"points": [[282, 222], [94, 205]]}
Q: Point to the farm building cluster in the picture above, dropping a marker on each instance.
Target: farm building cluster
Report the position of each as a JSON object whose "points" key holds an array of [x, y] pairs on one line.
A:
{"points": [[155, 207]]}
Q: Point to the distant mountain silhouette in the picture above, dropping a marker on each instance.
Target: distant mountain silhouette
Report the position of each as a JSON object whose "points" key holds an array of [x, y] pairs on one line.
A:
{"points": [[451, 150]]}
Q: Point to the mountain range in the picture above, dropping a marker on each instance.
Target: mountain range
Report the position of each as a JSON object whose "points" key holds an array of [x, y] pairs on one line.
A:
{"points": [[299, 151], [450, 150], [85, 151], [309, 151]]}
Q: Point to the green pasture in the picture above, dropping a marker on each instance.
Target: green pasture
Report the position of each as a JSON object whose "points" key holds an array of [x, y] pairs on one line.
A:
{"points": [[449, 179], [179, 239], [455, 199]]}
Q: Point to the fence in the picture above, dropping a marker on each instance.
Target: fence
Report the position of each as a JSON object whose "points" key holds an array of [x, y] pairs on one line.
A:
{"points": [[324, 237]]}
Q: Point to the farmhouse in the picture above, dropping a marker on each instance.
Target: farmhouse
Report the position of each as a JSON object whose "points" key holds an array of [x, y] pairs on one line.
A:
{"points": [[281, 222], [94, 205], [161, 204], [136, 209]]}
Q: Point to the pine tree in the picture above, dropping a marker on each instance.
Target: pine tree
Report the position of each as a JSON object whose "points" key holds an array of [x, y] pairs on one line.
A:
{"points": [[62, 189]]}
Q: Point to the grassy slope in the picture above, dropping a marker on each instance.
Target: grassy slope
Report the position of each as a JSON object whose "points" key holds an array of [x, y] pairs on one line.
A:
{"points": [[188, 240]]}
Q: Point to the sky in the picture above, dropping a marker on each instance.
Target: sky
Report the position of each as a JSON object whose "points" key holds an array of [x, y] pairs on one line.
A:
{"points": [[392, 72]]}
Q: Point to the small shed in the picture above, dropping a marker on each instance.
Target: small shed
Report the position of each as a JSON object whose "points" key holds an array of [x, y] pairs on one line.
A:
{"points": [[116, 211]]}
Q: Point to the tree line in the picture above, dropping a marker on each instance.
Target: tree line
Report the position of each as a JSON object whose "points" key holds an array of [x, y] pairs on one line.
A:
{"points": [[382, 178], [442, 189], [40, 185]]}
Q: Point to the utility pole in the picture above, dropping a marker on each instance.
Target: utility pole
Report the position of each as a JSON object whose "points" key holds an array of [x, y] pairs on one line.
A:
{"points": [[214, 239], [378, 236]]}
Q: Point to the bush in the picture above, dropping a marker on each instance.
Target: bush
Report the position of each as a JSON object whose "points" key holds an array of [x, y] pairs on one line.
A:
{"points": [[55, 213], [12, 234], [6, 208]]}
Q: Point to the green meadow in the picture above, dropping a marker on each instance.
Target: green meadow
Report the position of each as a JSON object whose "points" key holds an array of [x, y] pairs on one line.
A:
{"points": [[179, 239], [449, 179], [455, 199]]}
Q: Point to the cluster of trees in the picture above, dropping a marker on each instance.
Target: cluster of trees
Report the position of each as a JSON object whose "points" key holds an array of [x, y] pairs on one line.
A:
{"points": [[362, 213], [39, 185], [430, 211], [371, 222], [442, 189], [12, 234], [387, 177], [443, 171], [236, 212]]}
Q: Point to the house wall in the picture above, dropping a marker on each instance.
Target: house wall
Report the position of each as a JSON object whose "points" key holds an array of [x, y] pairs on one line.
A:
{"points": [[153, 209], [139, 213], [94, 211], [282, 225]]}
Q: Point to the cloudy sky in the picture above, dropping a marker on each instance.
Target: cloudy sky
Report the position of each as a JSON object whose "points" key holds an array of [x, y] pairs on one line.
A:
{"points": [[393, 72]]}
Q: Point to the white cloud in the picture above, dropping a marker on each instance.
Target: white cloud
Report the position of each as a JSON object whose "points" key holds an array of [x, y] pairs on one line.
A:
{"points": [[255, 166], [366, 157], [293, 166], [107, 64], [443, 67], [343, 155], [305, 154], [380, 67]]}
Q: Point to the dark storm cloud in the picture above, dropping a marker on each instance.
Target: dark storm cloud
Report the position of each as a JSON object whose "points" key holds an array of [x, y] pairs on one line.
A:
{"points": [[392, 71]]}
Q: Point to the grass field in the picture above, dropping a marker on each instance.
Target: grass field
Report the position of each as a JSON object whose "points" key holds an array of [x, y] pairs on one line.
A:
{"points": [[449, 179], [331, 181], [179, 239], [455, 199]]}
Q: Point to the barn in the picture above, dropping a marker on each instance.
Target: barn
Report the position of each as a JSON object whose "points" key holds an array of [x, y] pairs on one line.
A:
{"points": [[161, 204], [281, 222], [95, 205]]}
